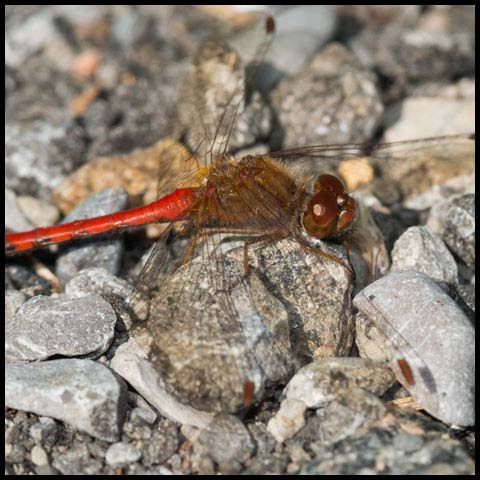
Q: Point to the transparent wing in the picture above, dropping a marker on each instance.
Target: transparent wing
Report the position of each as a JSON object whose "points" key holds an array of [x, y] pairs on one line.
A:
{"points": [[411, 166], [214, 95], [204, 331]]}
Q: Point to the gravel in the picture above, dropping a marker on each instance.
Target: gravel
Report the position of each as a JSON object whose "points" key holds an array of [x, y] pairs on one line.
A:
{"points": [[302, 383]]}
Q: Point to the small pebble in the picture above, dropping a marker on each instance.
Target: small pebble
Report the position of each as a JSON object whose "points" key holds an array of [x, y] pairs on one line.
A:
{"points": [[148, 416], [15, 219], [421, 250], [122, 454], [40, 214], [82, 393], [226, 441], [289, 419], [458, 229], [39, 456], [46, 326]]}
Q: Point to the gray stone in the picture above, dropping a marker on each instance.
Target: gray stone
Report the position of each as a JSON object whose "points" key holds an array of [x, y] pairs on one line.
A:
{"points": [[436, 196], [225, 439], [59, 325], [13, 301], [430, 342], [352, 410], [78, 15], [455, 221], [202, 465], [407, 442], [15, 220], [82, 393], [45, 470], [130, 363], [128, 28], [21, 278], [98, 281], [137, 429], [419, 249], [421, 117], [114, 290], [264, 441], [120, 454], [334, 100], [412, 53], [315, 384], [100, 254], [340, 388], [38, 154], [467, 294], [37, 32], [289, 419], [148, 416], [238, 330], [14, 453], [217, 100], [409, 169], [369, 339], [76, 460], [162, 444], [142, 408], [39, 213], [45, 431], [300, 31], [388, 449]]}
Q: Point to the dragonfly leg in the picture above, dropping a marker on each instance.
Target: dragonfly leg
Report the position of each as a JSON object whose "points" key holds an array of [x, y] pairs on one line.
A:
{"points": [[189, 251], [346, 247], [271, 235], [250, 241], [335, 259]]}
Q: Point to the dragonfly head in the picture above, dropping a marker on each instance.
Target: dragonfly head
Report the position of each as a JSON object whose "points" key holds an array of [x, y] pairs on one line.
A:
{"points": [[329, 210]]}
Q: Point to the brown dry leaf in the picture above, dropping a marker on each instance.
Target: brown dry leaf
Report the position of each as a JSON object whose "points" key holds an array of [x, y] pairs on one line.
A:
{"points": [[44, 272], [127, 79], [86, 64], [407, 403], [230, 14], [81, 102], [167, 165], [380, 464], [185, 446], [410, 427], [386, 421]]}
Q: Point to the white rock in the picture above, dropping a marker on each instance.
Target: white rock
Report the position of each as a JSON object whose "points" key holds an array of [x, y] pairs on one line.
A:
{"points": [[122, 454], [82, 393], [39, 456], [423, 117], [38, 212], [46, 326], [419, 249], [430, 343], [288, 420], [316, 385], [130, 363], [14, 217]]}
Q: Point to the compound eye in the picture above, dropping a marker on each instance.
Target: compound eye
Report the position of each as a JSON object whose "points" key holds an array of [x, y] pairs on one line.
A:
{"points": [[347, 206], [323, 208], [328, 183]]}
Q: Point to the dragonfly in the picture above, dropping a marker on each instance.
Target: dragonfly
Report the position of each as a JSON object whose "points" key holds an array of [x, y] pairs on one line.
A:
{"points": [[269, 199]]}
